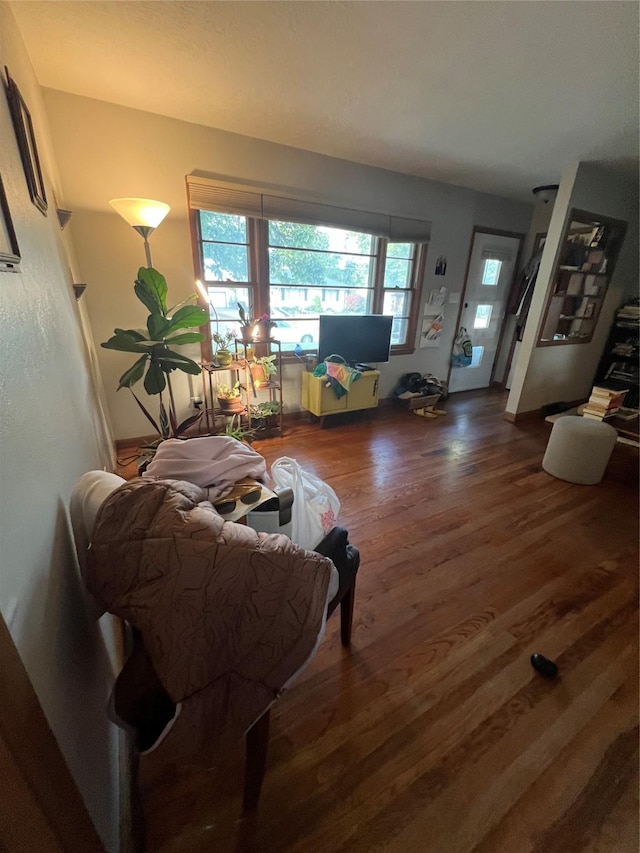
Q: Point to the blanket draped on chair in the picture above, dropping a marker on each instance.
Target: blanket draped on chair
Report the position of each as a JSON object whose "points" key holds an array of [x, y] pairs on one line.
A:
{"points": [[227, 615]]}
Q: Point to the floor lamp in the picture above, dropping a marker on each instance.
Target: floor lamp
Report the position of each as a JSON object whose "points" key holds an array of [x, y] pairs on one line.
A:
{"points": [[144, 215]]}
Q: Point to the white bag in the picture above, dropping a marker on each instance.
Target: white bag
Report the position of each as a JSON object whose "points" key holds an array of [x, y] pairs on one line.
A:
{"points": [[315, 504], [462, 354]]}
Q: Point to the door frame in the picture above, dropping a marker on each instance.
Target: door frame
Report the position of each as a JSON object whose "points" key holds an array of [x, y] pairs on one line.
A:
{"points": [[480, 229]]}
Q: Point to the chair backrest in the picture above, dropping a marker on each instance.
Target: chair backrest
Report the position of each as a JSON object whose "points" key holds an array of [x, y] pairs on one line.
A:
{"points": [[88, 495]]}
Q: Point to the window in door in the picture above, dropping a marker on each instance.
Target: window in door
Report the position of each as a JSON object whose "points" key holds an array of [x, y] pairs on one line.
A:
{"points": [[491, 271], [483, 317], [476, 356]]}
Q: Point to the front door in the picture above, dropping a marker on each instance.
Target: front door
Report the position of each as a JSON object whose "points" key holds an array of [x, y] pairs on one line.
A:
{"points": [[489, 278]]}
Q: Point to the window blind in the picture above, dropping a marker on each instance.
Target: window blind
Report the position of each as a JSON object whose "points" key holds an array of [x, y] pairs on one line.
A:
{"points": [[223, 197]]}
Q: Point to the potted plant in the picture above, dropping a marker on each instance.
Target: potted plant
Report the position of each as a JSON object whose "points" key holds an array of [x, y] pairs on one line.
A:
{"points": [[256, 329], [264, 413], [222, 355], [262, 368], [230, 398], [234, 429], [157, 358]]}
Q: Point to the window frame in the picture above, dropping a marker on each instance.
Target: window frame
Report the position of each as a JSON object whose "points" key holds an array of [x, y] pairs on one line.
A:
{"points": [[259, 284]]}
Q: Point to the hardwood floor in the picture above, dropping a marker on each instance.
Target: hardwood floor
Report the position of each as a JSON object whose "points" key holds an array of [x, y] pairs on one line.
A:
{"points": [[434, 733]]}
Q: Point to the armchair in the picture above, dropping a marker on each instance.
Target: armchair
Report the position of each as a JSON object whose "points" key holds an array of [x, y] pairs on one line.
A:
{"points": [[139, 697]]}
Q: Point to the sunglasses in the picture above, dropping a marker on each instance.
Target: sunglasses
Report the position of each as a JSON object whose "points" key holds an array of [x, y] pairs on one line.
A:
{"points": [[249, 495]]}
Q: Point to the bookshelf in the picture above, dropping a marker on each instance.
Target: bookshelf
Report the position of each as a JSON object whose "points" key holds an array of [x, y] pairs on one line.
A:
{"points": [[618, 368], [585, 263]]}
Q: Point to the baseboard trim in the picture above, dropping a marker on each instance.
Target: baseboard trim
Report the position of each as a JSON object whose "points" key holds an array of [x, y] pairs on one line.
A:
{"points": [[532, 414], [519, 417], [134, 442]]}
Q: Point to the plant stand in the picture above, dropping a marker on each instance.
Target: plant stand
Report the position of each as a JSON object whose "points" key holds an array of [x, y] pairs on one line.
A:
{"points": [[215, 417], [268, 391]]}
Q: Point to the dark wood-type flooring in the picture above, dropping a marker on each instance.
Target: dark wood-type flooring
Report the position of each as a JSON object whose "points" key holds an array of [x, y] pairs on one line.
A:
{"points": [[434, 733]]}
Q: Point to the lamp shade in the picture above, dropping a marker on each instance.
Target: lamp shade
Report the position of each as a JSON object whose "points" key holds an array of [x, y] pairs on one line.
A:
{"points": [[140, 211]]}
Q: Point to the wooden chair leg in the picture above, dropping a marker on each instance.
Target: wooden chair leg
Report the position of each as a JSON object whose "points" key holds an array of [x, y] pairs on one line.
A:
{"points": [[257, 742], [346, 614]]}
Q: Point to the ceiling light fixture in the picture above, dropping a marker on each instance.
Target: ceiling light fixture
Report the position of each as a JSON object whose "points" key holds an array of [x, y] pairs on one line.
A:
{"points": [[545, 193], [143, 214]]}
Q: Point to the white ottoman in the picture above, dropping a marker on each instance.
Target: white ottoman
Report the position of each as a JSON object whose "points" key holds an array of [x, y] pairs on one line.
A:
{"points": [[579, 449]]}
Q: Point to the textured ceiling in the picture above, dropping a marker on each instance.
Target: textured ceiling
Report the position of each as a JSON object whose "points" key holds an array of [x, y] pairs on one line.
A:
{"points": [[498, 96]]}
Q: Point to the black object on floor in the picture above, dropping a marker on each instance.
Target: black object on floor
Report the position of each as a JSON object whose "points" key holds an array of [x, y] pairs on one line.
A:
{"points": [[543, 665]]}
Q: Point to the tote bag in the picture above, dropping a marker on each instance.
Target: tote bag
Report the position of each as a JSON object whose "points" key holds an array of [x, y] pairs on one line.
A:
{"points": [[315, 504], [462, 349]]}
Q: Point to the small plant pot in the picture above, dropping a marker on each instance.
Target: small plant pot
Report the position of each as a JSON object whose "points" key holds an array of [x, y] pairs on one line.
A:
{"points": [[223, 358], [258, 375], [231, 406], [246, 333], [262, 332]]}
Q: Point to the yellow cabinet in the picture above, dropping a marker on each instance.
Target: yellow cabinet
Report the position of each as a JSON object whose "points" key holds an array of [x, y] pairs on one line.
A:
{"points": [[321, 400]]}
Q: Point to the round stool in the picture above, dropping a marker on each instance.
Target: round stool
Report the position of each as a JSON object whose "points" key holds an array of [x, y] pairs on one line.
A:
{"points": [[579, 449]]}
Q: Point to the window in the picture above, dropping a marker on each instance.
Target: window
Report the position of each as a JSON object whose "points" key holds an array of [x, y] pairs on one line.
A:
{"points": [[295, 272], [491, 271], [224, 261], [483, 317], [336, 265], [476, 356], [398, 285]]}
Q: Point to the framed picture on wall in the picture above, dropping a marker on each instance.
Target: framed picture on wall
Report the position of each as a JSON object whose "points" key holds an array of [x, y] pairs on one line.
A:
{"points": [[25, 135], [9, 252]]}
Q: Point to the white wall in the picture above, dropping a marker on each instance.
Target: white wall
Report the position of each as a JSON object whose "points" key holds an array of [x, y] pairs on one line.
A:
{"points": [[539, 225], [565, 373], [106, 151], [51, 432]]}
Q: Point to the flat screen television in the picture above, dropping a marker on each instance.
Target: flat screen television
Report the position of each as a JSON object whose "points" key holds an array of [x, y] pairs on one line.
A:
{"points": [[358, 338]]}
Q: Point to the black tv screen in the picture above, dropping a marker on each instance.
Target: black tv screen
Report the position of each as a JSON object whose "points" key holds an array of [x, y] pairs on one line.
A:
{"points": [[358, 338]]}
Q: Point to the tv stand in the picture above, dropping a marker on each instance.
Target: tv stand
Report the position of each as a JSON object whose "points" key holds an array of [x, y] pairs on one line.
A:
{"points": [[321, 400]]}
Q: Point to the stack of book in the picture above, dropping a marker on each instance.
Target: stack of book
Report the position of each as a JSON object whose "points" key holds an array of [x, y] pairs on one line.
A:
{"points": [[629, 315], [603, 403]]}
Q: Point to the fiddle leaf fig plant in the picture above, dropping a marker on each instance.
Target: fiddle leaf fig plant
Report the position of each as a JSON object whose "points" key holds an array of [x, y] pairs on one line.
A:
{"points": [[158, 359]]}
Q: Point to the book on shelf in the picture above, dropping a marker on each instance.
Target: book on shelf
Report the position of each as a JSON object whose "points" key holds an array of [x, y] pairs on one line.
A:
{"points": [[622, 371], [627, 414], [631, 311], [591, 286], [574, 287]]}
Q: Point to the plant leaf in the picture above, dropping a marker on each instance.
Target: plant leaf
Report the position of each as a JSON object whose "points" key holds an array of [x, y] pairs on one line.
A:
{"points": [[164, 420], [133, 375], [154, 381], [187, 423], [185, 338], [174, 360], [132, 333], [174, 308], [187, 317], [157, 326], [145, 412], [125, 343], [151, 289]]}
